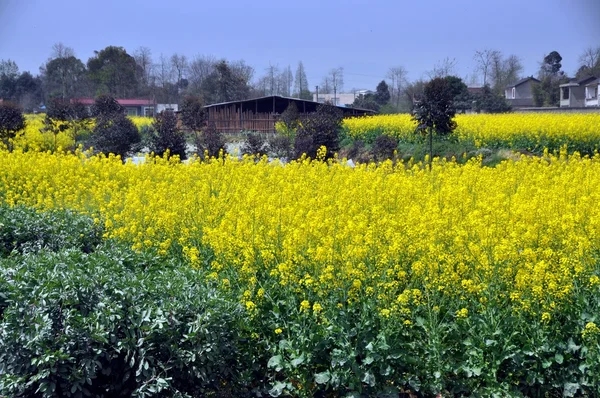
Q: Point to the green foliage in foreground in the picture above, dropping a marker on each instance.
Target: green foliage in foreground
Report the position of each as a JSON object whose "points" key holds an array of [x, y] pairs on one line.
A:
{"points": [[114, 323]]}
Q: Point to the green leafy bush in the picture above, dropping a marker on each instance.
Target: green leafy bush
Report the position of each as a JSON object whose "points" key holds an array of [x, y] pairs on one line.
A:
{"points": [[25, 230], [113, 323]]}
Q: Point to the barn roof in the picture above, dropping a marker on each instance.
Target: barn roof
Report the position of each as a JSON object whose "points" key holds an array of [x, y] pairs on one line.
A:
{"points": [[279, 99]]}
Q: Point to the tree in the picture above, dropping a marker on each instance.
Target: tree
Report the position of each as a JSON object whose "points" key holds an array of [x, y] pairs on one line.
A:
{"points": [[336, 76], [113, 71], [366, 101], [382, 93], [11, 121], [106, 106], [460, 93], [143, 62], [64, 77], [227, 83], [193, 114], [397, 75], [483, 60], [589, 62], [301, 89], [552, 63], [200, 68], [490, 101], [435, 112], [9, 72], [166, 136], [547, 91], [443, 68]]}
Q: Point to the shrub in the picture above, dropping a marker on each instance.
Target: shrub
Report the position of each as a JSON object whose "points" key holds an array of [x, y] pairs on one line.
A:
{"points": [[384, 147], [165, 135], [210, 141], [24, 230], [11, 121], [116, 134], [106, 106], [113, 323], [193, 114], [281, 146], [254, 144], [317, 129]]}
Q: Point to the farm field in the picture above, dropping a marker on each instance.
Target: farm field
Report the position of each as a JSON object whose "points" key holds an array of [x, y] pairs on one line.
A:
{"points": [[378, 278], [528, 131]]}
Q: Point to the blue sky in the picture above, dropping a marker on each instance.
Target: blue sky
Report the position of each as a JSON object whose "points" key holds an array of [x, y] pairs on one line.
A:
{"points": [[364, 37]]}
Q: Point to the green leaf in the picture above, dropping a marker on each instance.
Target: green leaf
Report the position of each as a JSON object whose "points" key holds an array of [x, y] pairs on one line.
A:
{"points": [[323, 377], [298, 361], [570, 389], [558, 358], [275, 362], [277, 389], [369, 360], [369, 378]]}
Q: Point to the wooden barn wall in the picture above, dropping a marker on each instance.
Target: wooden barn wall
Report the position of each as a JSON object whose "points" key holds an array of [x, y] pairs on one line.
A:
{"points": [[231, 119]]}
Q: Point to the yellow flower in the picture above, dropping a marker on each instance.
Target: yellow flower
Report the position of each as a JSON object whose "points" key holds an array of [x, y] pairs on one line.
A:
{"points": [[591, 330], [304, 305], [278, 331], [317, 308], [385, 313], [462, 313], [546, 317], [250, 306]]}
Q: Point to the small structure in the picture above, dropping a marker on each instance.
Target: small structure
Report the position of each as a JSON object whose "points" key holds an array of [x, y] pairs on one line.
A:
{"points": [[574, 93], [340, 99], [520, 94], [261, 114], [592, 91], [135, 106]]}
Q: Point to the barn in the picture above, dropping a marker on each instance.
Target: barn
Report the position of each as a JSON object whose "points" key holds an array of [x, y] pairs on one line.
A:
{"points": [[260, 114]]}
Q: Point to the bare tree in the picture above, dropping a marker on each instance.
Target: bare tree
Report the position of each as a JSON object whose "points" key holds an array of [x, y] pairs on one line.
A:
{"points": [[397, 75], [325, 87], [484, 60], [590, 57], [180, 67], [443, 68], [199, 69], [286, 79], [271, 79], [143, 59], [164, 77], [504, 71], [59, 50], [336, 76]]}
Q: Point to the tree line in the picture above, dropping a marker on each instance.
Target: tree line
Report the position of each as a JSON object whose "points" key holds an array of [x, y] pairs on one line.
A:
{"points": [[169, 79]]}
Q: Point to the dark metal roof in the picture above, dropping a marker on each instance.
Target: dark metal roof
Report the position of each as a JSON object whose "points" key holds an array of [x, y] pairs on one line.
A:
{"points": [[525, 80], [586, 80], [276, 97]]}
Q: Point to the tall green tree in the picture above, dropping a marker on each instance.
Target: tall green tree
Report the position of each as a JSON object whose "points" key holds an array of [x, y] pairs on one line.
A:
{"points": [[460, 93], [225, 84], [113, 72], [64, 77], [547, 91], [435, 112], [382, 93], [11, 121]]}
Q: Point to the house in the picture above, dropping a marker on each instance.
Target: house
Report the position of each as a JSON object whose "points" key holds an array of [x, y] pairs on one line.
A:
{"points": [[135, 107], [574, 93], [261, 114], [520, 94], [592, 91], [339, 99]]}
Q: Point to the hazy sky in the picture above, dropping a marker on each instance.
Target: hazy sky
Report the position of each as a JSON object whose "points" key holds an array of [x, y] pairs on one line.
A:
{"points": [[364, 37]]}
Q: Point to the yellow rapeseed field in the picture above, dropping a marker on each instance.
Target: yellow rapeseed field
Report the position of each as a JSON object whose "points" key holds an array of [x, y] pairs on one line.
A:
{"points": [[534, 131], [400, 236]]}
